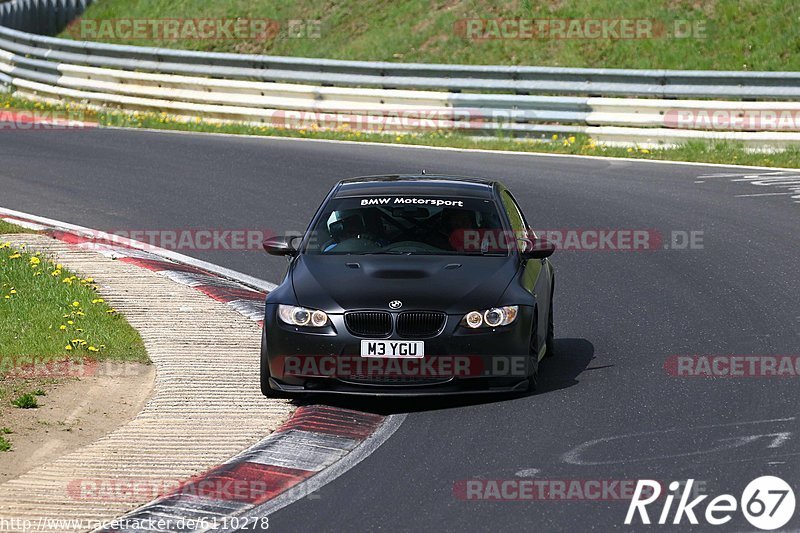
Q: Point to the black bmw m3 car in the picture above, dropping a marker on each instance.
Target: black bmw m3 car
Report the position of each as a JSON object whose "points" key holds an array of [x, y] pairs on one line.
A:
{"points": [[410, 285]]}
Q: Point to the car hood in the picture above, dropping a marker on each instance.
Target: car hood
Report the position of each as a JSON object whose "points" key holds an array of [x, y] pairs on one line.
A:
{"points": [[453, 284]]}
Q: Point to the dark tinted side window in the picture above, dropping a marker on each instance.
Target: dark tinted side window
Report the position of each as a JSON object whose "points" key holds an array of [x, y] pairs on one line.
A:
{"points": [[515, 215]]}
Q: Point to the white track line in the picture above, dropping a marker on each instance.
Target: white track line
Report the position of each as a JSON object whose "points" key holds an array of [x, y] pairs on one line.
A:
{"points": [[452, 149], [175, 256]]}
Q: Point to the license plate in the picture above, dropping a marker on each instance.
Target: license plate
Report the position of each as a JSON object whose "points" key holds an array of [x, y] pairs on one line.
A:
{"points": [[410, 349]]}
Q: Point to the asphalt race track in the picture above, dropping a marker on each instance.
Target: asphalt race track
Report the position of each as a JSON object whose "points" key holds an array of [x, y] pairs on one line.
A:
{"points": [[607, 409]]}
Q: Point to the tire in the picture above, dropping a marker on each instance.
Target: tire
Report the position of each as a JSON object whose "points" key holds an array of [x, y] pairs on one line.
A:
{"points": [[533, 379], [550, 351]]}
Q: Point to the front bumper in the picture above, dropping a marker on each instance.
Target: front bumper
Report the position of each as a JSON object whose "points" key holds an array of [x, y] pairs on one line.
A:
{"points": [[457, 360]]}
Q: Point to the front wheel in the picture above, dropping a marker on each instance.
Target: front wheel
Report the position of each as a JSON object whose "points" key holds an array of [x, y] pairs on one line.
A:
{"points": [[533, 378]]}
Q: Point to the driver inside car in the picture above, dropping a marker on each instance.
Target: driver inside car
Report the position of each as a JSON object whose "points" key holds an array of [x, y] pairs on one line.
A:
{"points": [[348, 227], [453, 227]]}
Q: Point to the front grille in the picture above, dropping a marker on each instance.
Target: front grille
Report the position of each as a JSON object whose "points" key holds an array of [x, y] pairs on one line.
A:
{"points": [[369, 323], [419, 324]]}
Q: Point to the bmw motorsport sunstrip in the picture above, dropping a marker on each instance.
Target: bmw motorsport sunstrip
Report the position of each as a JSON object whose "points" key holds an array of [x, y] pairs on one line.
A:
{"points": [[410, 285]]}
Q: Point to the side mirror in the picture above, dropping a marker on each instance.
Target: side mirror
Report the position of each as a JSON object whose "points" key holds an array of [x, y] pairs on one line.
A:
{"points": [[538, 249], [280, 245]]}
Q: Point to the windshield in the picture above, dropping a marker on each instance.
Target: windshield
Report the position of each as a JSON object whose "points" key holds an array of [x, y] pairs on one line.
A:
{"points": [[407, 225]]}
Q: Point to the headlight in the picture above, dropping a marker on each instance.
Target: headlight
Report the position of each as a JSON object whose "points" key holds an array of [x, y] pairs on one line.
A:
{"points": [[300, 316], [490, 318]]}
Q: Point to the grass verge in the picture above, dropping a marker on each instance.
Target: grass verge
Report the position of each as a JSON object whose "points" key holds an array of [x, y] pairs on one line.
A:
{"points": [[50, 313], [53, 324], [724, 152], [7, 227], [712, 34]]}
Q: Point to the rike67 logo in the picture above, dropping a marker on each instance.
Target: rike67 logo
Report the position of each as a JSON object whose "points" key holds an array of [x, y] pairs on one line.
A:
{"points": [[767, 502]]}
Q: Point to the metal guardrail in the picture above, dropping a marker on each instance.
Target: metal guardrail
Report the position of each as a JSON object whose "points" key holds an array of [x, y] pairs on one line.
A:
{"points": [[518, 80], [257, 89]]}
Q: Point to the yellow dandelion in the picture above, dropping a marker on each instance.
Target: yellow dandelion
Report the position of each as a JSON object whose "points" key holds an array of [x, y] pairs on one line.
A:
{"points": [[62, 327]]}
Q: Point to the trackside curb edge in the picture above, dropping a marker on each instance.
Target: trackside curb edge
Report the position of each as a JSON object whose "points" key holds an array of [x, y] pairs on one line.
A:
{"points": [[312, 448], [316, 445]]}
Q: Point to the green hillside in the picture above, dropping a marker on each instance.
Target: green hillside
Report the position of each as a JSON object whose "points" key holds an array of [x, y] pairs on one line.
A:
{"points": [[730, 34]]}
